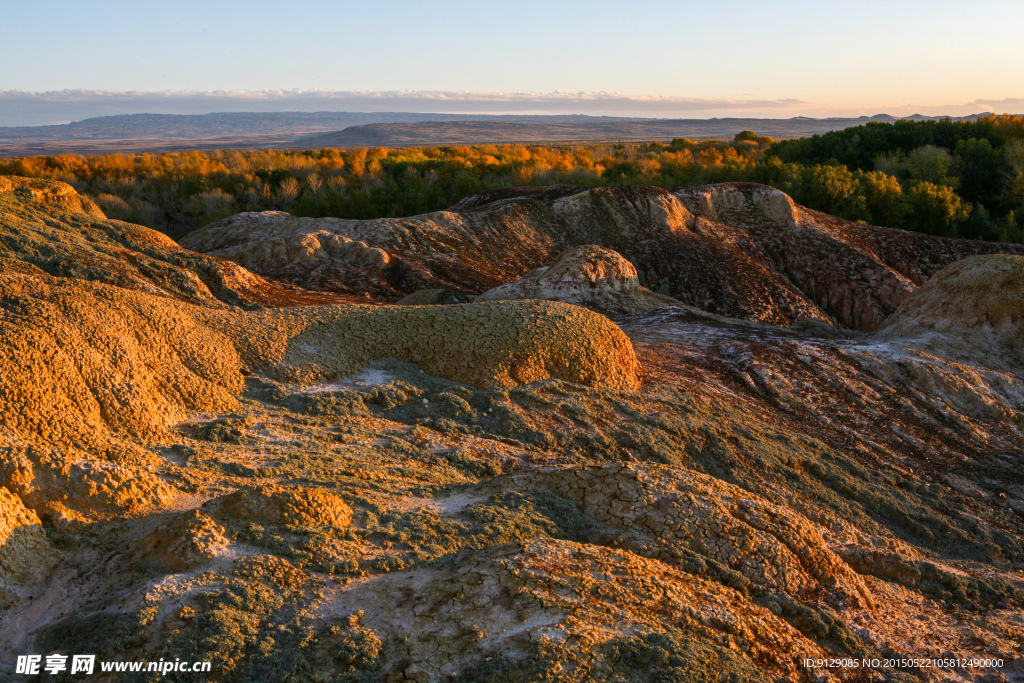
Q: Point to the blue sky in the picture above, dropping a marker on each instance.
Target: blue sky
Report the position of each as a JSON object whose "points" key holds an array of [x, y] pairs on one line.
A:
{"points": [[786, 57]]}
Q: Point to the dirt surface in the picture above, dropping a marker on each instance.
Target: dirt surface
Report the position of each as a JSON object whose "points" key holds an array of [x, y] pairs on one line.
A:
{"points": [[514, 491]]}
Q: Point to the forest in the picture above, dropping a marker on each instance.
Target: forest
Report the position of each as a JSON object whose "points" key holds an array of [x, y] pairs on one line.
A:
{"points": [[951, 178], [981, 161]]}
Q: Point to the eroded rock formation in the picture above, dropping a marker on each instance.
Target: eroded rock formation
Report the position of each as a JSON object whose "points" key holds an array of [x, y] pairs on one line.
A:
{"points": [[589, 276], [195, 465], [736, 249], [973, 308]]}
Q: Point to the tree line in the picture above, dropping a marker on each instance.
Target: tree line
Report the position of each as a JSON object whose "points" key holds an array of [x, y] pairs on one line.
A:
{"points": [[912, 187], [979, 162]]}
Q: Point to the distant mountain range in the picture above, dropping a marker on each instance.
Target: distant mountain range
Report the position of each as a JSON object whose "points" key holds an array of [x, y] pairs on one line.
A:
{"points": [[233, 130], [615, 130]]}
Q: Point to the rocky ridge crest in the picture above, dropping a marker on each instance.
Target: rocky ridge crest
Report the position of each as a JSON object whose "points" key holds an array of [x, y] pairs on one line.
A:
{"points": [[588, 276], [736, 249]]}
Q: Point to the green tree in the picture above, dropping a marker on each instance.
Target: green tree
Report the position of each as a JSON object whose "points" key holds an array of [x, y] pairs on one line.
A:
{"points": [[979, 225], [210, 207], [835, 190], [886, 203], [931, 164], [936, 209], [1013, 173], [977, 164]]}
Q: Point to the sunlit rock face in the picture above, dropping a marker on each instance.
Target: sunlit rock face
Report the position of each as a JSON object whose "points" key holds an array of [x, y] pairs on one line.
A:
{"points": [[589, 276]]}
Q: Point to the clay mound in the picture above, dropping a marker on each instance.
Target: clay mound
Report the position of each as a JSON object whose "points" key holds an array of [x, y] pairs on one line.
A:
{"points": [[737, 249], [47, 224], [292, 505], [52, 195], [442, 250], [269, 245], [483, 344], [590, 276], [82, 359], [67, 486], [79, 360], [976, 305], [704, 263], [182, 543]]}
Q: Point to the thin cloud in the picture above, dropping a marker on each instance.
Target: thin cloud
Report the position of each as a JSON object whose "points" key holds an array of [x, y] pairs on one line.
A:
{"points": [[1008, 104]]}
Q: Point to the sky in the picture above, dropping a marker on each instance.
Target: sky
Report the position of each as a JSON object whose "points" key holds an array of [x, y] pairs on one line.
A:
{"points": [[777, 58]]}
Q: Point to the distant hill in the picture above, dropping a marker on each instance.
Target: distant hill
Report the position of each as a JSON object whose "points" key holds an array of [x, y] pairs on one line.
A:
{"points": [[226, 130], [587, 130], [582, 129], [922, 117], [237, 130], [135, 126]]}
